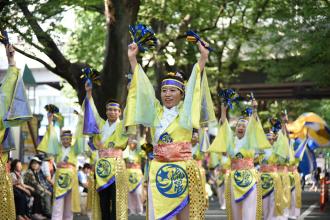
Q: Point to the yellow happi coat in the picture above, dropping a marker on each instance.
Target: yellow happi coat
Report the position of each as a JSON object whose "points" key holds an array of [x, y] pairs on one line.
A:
{"points": [[242, 181], [172, 185], [109, 170]]}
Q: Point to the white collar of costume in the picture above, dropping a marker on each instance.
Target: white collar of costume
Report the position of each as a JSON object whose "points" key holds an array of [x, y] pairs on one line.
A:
{"points": [[65, 152], [238, 144], [108, 130], [167, 118]]}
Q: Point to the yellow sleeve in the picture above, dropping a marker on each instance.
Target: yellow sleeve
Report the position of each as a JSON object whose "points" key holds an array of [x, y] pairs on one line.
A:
{"points": [[196, 100], [223, 140], [119, 137], [7, 91], [8, 85], [140, 99], [260, 137], [49, 143]]}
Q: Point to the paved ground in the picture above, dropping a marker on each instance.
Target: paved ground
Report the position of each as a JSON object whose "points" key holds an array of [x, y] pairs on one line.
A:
{"points": [[310, 210]]}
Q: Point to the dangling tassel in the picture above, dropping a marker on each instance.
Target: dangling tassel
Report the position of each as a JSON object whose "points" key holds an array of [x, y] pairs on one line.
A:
{"points": [[7, 204], [75, 198], [228, 197], [297, 189], [278, 193], [93, 199], [286, 196], [259, 198], [121, 190], [197, 202], [90, 191]]}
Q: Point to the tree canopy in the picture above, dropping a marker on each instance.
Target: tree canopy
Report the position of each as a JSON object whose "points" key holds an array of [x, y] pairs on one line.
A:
{"points": [[287, 40]]}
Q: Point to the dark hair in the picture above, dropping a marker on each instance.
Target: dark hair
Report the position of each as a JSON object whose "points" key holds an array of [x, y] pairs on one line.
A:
{"points": [[87, 166], [41, 156], [181, 78], [13, 164], [30, 164], [66, 132], [112, 100]]}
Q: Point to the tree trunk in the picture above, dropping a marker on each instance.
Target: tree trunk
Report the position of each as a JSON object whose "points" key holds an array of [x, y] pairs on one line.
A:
{"points": [[115, 66]]}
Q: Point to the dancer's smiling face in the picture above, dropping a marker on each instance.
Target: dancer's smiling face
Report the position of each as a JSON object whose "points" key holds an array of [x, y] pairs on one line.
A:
{"points": [[240, 128], [112, 114], [170, 96]]}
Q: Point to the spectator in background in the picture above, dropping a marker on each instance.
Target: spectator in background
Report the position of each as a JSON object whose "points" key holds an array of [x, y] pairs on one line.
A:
{"points": [[83, 186], [42, 196], [48, 168], [83, 177], [22, 192], [316, 179]]}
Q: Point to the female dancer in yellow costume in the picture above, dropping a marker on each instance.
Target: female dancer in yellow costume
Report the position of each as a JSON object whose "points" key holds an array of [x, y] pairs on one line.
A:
{"points": [[285, 155], [243, 188], [270, 181], [169, 194], [135, 178]]}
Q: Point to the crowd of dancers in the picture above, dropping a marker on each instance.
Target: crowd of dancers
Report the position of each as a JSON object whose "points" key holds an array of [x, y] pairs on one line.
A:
{"points": [[152, 162]]}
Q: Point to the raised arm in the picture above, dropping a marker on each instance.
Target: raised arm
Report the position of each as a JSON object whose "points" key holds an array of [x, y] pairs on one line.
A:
{"points": [[91, 120], [141, 95], [10, 52], [223, 113], [9, 82], [255, 108], [88, 88], [204, 55], [49, 143], [133, 50], [50, 117]]}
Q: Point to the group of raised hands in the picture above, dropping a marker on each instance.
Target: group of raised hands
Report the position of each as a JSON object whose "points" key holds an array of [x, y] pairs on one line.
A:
{"points": [[133, 50]]}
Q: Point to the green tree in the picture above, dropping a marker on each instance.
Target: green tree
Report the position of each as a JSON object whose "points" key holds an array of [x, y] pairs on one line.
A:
{"points": [[285, 39], [28, 18]]}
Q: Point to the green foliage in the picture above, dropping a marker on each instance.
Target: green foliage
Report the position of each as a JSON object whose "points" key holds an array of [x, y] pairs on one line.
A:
{"points": [[87, 42], [287, 40], [296, 107]]}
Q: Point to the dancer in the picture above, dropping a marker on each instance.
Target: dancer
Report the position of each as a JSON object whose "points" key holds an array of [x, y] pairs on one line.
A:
{"points": [[171, 126], [109, 140], [243, 188], [270, 180], [66, 187], [135, 178]]}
